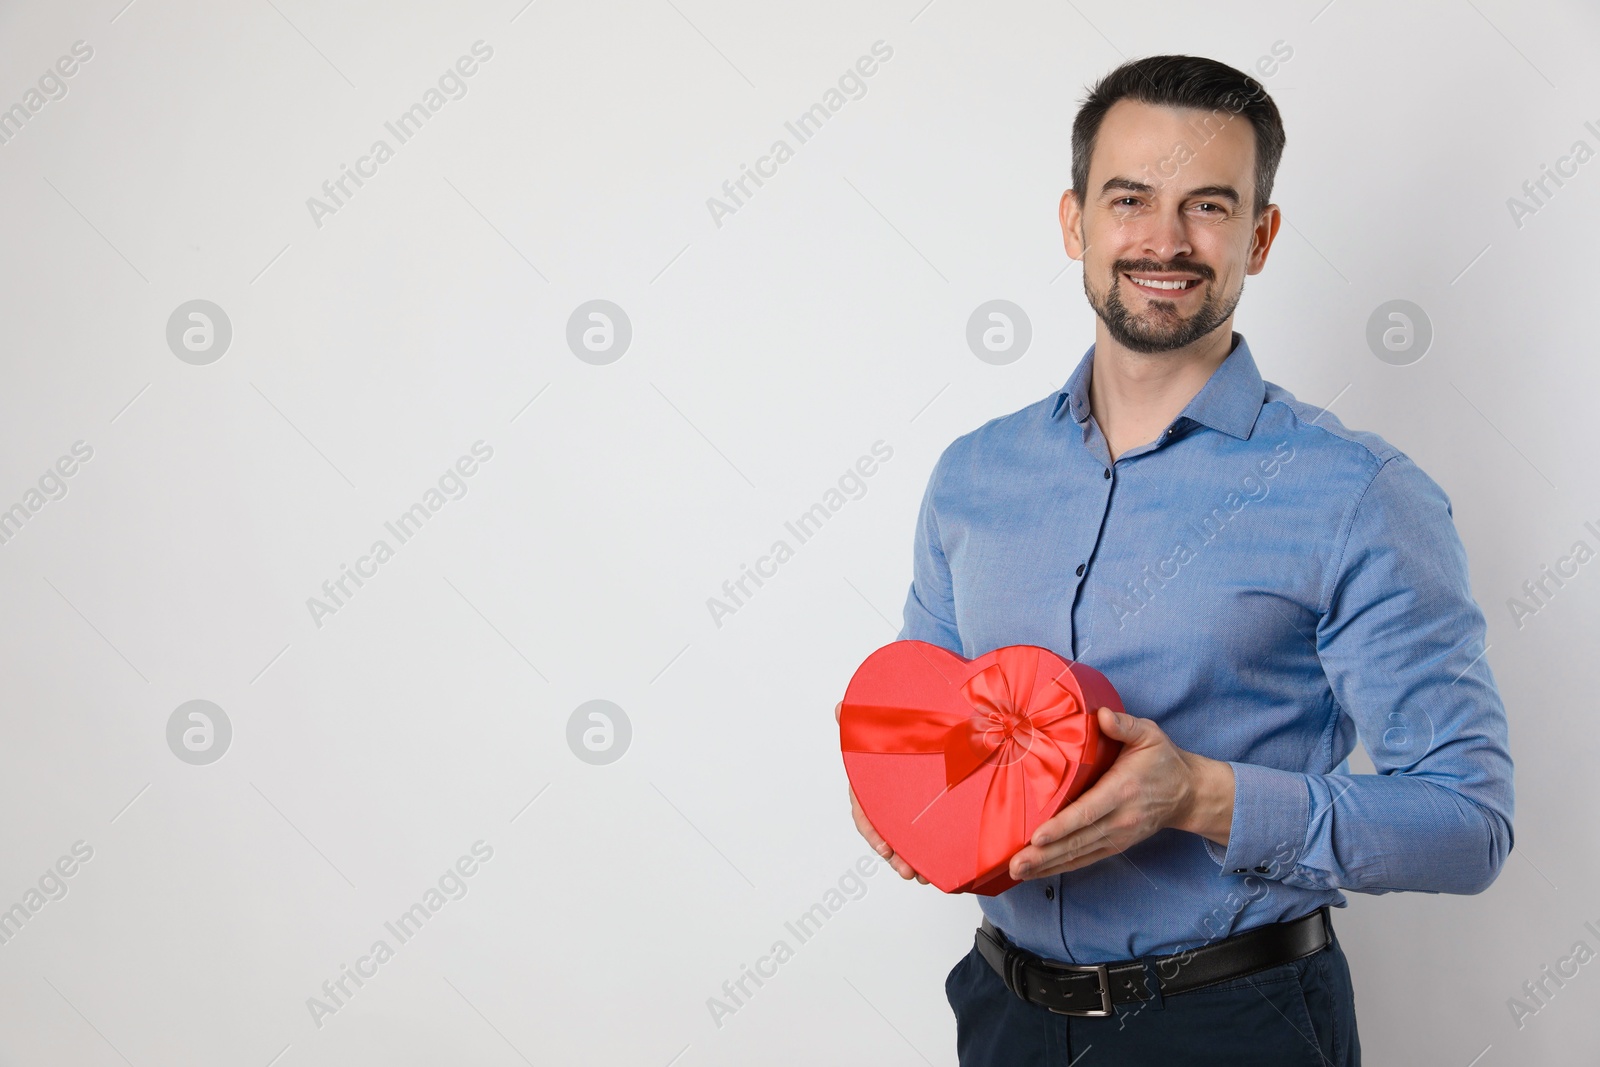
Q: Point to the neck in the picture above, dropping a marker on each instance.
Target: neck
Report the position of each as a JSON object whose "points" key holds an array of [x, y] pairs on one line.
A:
{"points": [[1134, 396]]}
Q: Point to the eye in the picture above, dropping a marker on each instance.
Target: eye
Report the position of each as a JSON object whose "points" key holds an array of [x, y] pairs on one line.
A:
{"points": [[1125, 200], [1215, 208]]}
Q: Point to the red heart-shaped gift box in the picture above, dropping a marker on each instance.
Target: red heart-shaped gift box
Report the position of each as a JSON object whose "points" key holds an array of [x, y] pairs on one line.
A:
{"points": [[956, 762]]}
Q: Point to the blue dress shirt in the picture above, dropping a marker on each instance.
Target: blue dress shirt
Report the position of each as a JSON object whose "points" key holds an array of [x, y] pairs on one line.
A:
{"points": [[1268, 586]]}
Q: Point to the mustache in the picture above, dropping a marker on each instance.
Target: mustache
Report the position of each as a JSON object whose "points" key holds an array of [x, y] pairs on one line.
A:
{"points": [[1152, 266]]}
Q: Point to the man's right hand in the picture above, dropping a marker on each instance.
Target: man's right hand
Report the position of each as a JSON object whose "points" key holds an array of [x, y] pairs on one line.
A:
{"points": [[879, 845]]}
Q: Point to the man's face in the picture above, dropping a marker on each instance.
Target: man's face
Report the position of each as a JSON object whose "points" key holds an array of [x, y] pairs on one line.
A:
{"points": [[1167, 230]]}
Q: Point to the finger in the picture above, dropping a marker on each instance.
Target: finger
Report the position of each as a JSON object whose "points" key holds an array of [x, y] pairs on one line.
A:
{"points": [[1069, 854], [866, 829], [881, 847], [878, 844], [1131, 730], [873, 838], [900, 866], [1038, 858], [1074, 864], [838, 710], [1098, 801]]}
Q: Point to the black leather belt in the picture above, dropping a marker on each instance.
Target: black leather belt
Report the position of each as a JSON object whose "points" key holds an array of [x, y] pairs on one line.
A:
{"points": [[1091, 989]]}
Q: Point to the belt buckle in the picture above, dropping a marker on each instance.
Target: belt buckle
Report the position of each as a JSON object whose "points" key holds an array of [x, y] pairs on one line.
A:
{"points": [[1097, 969]]}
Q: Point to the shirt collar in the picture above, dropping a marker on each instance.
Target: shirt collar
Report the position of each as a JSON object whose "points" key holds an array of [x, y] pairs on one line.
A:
{"points": [[1229, 401]]}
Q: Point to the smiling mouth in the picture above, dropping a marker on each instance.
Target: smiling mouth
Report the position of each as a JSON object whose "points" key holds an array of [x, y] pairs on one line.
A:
{"points": [[1163, 285]]}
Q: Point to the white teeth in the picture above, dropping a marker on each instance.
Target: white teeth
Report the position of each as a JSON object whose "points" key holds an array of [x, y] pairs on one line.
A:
{"points": [[1154, 284]]}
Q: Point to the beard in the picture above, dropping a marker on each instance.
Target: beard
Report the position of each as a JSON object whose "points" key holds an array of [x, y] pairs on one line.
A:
{"points": [[1160, 328]]}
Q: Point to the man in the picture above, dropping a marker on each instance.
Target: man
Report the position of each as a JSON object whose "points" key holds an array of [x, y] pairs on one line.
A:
{"points": [[1261, 584]]}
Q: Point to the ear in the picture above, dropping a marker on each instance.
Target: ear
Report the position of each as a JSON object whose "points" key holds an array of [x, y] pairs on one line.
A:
{"points": [[1072, 224], [1261, 238]]}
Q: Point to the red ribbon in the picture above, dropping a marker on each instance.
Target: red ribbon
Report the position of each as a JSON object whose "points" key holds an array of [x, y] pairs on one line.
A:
{"points": [[1031, 736]]}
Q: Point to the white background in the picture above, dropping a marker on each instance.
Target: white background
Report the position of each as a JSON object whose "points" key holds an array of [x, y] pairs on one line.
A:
{"points": [[768, 354]]}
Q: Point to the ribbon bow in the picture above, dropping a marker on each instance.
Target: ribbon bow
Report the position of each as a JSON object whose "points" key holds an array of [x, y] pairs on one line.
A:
{"points": [[1030, 733]]}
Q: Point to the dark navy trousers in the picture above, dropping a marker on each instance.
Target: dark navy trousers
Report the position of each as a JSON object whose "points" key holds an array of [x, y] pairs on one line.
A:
{"points": [[1300, 1013]]}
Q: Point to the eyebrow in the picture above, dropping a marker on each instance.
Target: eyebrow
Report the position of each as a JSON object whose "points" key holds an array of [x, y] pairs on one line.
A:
{"points": [[1227, 192]]}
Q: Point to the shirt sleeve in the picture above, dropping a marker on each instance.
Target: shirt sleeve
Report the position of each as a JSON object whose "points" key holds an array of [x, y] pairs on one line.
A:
{"points": [[930, 609], [1402, 643]]}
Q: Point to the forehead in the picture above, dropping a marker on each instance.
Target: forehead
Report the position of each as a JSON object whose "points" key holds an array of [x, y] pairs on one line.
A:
{"points": [[1155, 144]]}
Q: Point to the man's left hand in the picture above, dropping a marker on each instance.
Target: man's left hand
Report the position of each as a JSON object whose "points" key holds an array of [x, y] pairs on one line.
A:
{"points": [[1152, 785]]}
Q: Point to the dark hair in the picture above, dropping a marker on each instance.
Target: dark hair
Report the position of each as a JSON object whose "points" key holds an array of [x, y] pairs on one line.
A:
{"points": [[1182, 81]]}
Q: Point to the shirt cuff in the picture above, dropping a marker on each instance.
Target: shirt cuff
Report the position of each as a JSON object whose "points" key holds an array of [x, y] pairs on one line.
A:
{"points": [[1271, 816]]}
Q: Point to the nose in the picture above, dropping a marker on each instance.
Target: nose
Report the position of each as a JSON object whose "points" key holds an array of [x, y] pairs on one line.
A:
{"points": [[1166, 237]]}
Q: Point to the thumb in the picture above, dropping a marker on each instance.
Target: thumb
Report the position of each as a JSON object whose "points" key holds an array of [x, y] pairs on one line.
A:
{"points": [[1118, 725]]}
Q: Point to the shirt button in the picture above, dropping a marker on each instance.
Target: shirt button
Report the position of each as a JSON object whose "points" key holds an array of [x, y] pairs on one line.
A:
{"points": [[1049, 892], [1080, 570], [1108, 472]]}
